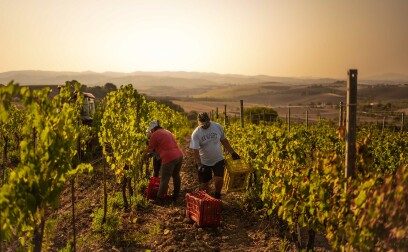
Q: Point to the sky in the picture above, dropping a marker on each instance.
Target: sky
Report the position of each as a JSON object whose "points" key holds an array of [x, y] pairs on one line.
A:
{"points": [[291, 38]]}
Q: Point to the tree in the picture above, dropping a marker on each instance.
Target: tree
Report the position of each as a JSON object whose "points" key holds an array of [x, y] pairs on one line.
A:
{"points": [[261, 113], [110, 87]]}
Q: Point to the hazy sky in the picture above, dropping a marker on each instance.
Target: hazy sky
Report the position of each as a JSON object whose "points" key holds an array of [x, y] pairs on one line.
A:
{"points": [[319, 38]]}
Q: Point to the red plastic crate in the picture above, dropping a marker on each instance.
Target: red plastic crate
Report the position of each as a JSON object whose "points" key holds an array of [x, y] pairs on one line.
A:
{"points": [[153, 187], [203, 209]]}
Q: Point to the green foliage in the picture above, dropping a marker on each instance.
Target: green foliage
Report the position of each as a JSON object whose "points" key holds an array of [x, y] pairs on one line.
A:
{"points": [[125, 117], [122, 132], [108, 229], [67, 248], [116, 201], [154, 230], [48, 144], [139, 201], [11, 134], [176, 123], [300, 175], [381, 211]]}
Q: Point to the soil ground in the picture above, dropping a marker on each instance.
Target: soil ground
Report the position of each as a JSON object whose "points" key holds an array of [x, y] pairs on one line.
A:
{"points": [[165, 228]]}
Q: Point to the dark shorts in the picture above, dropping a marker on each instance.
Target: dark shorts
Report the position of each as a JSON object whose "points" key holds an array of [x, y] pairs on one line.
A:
{"points": [[207, 174]]}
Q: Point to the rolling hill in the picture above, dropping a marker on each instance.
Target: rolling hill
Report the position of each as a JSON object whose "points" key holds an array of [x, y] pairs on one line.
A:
{"points": [[259, 89]]}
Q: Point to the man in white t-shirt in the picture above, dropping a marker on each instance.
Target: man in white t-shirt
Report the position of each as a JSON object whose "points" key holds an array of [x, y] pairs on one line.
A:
{"points": [[206, 143]]}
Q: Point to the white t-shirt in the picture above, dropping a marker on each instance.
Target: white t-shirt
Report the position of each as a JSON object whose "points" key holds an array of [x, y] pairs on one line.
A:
{"points": [[207, 142]]}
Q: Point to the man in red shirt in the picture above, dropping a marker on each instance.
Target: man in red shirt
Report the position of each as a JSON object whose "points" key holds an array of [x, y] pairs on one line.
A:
{"points": [[171, 156]]}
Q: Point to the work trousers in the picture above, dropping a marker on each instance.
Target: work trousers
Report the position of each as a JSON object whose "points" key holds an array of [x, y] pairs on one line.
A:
{"points": [[171, 169]]}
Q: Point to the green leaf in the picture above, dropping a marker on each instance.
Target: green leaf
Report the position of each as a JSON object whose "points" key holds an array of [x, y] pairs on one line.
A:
{"points": [[361, 198]]}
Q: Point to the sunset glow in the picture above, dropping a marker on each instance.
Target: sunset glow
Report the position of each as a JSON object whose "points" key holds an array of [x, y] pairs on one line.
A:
{"points": [[279, 38]]}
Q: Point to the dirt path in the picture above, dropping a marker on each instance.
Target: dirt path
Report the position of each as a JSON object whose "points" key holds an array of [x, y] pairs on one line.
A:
{"points": [[239, 230], [165, 228]]}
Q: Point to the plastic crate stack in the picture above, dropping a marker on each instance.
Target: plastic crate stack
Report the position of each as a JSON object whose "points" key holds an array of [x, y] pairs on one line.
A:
{"points": [[236, 175], [203, 209], [153, 187]]}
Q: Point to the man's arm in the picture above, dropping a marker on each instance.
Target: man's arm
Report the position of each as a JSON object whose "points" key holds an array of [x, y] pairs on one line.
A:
{"points": [[150, 147], [231, 151], [227, 145], [197, 157]]}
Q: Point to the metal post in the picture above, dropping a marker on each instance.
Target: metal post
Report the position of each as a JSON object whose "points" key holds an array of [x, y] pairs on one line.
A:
{"points": [[242, 113], [351, 123]]}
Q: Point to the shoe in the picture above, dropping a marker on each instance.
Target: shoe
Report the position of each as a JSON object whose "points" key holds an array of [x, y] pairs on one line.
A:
{"points": [[163, 202], [159, 201]]}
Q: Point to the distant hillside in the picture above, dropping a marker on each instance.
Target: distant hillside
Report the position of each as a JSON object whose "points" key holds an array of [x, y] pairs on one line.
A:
{"points": [[279, 94], [389, 77], [261, 89], [144, 79], [166, 78]]}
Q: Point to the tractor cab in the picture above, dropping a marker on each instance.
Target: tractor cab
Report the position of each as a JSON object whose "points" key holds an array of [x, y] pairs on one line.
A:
{"points": [[88, 108]]}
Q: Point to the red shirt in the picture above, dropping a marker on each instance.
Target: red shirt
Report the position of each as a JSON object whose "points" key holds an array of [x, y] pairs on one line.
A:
{"points": [[165, 144]]}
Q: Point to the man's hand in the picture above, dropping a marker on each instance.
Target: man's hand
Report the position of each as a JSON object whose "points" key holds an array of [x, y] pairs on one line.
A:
{"points": [[235, 156], [201, 168]]}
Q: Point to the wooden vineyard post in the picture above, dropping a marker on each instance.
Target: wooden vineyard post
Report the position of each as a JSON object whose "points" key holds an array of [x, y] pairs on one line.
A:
{"points": [[402, 122], [225, 114], [105, 193], [4, 160], [289, 119], [341, 114], [242, 112], [351, 123], [307, 119], [73, 214], [383, 124], [216, 113]]}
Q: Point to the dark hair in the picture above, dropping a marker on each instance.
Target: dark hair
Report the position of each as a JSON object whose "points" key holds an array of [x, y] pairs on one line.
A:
{"points": [[203, 117], [158, 125]]}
